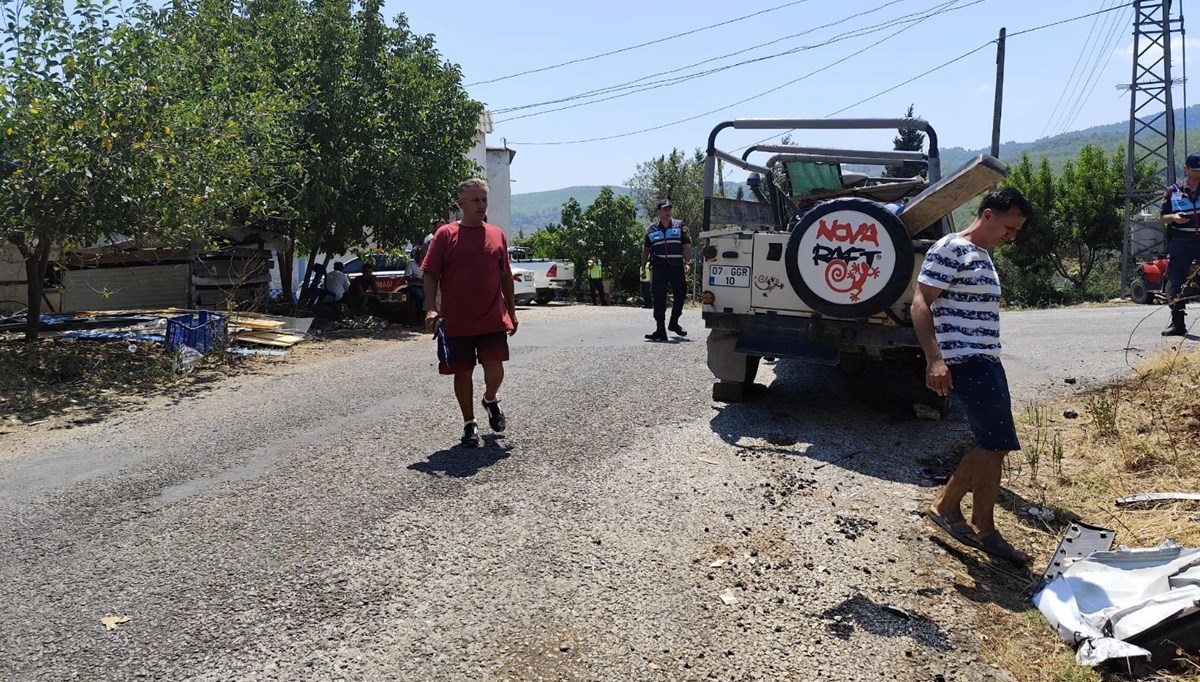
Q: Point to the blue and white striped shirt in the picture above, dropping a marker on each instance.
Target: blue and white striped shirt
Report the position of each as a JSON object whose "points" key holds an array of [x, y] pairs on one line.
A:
{"points": [[966, 316]]}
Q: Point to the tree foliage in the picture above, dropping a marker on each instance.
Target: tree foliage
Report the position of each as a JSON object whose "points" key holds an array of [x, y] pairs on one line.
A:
{"points": [[1078, 219], [675, 176], [314, 119], [608, 228], [907, 140], [82, 119]]}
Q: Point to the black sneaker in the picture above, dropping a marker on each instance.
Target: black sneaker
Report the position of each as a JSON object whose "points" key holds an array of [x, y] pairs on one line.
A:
{"points": [[659, 335], [674, 326], [470, 437], [495, 416]]}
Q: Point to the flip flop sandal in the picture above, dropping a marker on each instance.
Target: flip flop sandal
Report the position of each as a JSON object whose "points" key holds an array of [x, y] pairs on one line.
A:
{"points": [[994, 544], [956, 526]]}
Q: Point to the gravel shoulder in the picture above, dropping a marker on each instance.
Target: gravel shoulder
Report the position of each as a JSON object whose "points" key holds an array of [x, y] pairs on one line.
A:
{"points": [[314, 520]]}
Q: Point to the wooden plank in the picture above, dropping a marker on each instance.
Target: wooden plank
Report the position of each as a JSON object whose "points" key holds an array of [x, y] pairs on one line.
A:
{"points": [[952, 191]]}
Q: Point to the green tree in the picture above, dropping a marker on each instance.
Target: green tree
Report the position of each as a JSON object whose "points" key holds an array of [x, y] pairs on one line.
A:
{"points": [[675, 176], [609, 228], [82, 118], [1077, 222], [1088, 214], [1027, 266], [390, 128], [908, 140], [237, 97]]}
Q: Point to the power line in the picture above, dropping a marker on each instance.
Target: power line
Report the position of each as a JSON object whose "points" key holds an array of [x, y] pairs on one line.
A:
{"points": [[636, 81], [734, 104], [990, 42], [1075, 85], [1095, 53], [917, 77], [862, 101], [1067, 21], [1078, 60], [656, 41], [653, 85], [1113, 40]]}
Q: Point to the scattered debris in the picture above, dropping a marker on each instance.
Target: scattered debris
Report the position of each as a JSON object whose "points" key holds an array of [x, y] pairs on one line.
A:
{"points": [[728, 596], [157, 326], [1133, 603], [897, 611], [111, 622], [1069, 380], [706, 460], [362, 322], [1070, 414], [1156, 497], [1042, 513], [717, 563], [1079, 540]]}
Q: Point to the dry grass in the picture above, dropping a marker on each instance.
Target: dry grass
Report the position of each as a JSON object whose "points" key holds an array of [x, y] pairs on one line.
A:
{"points": [[84, 380], [1139, 435]]}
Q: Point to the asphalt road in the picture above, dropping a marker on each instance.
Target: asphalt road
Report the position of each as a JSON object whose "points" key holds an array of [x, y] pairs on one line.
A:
{"points": [[315, 518]]}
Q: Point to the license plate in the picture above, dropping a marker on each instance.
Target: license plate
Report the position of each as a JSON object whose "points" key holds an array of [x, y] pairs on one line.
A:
{"points": [[729, 276]]}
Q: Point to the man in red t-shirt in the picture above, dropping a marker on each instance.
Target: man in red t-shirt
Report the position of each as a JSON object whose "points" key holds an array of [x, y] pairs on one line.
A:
{"points": [[466, 263]]}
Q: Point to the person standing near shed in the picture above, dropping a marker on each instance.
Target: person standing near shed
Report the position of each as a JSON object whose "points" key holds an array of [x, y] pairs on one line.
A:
{"points": [[467, 264], [668, 250]]}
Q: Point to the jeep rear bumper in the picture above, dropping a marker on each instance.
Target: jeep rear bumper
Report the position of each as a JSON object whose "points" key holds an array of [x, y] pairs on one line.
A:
{"points": [[814, 339]]}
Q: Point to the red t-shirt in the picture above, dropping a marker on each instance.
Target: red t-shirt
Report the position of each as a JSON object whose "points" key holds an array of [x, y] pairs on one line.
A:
{"points": [[469, 263]]}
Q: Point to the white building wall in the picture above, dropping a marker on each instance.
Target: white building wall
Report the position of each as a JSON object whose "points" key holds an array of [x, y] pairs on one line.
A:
{"points": [[499, 163]]}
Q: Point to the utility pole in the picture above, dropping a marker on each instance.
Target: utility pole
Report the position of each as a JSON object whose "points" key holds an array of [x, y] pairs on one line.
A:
{"points": [[1151, 128], [999, 94]]}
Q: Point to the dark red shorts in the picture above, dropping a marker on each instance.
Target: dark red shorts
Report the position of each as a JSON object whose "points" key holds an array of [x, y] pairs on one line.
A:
{"points": [[459, 353]]}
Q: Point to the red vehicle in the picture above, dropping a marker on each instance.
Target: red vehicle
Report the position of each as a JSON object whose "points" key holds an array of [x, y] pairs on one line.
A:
{"points": [[1150, 284], [389, 275], [1149, 281]]}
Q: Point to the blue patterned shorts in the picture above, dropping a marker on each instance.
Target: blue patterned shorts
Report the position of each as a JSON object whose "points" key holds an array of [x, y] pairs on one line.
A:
{"points": [[982, 387]]}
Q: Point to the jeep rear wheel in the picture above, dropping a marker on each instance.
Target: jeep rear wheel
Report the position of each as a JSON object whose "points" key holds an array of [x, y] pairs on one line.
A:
{"points": [[849, 258]]}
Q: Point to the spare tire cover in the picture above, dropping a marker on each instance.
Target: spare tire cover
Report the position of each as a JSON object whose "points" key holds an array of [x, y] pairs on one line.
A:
{"points": [[849, 258]]}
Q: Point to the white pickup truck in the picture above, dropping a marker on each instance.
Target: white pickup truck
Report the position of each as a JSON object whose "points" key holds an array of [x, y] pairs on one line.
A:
{"points": [[549, 276]]}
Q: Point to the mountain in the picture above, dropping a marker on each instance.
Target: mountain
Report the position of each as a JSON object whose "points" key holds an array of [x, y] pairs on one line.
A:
{"points": [[532, 211], [1059, 149], [535, 210]]}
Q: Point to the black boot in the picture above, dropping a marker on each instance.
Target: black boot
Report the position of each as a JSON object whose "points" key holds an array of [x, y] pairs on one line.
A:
{"points": [[1177, 327], [659, 334], [674, 326]]}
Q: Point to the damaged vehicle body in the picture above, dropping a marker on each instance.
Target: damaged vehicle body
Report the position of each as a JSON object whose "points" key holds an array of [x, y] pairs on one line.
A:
{"points": [[822, 265]]}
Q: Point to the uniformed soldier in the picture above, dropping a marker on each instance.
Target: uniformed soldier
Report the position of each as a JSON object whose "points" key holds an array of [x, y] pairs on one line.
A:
{"points": [[1181, 214], [668, 249]]}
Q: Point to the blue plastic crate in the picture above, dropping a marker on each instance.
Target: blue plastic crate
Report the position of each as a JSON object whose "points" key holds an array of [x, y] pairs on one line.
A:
{"points": [[203, 331]]}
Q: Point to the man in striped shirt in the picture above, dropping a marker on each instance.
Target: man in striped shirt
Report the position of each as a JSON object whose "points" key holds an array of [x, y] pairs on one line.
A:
{"points": [[956, 314]]}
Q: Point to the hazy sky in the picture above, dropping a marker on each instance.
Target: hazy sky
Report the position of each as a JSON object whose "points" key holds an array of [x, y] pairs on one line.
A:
{"points": [[1058, 78]]}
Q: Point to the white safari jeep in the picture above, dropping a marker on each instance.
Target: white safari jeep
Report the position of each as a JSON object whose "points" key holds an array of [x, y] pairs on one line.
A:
{"points": [[822, 264]]}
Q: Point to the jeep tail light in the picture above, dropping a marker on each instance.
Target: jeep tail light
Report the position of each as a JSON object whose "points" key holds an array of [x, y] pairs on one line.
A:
{"points": [[708, 298], [710, 252], [553, 271]]}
